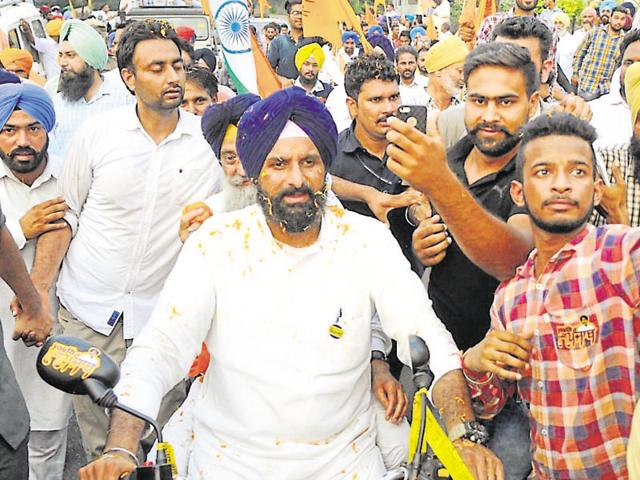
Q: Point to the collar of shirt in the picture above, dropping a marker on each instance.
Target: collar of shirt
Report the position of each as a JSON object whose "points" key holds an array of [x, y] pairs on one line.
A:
{"points": [[132, 122], [318, 87], [351, 143], [47, 174], [106, 88], [458, 154], [418, 81], [528, 269]]}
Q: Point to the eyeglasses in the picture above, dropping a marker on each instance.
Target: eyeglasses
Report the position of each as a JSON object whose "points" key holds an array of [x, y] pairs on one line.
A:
{"points": [[296, 13]]}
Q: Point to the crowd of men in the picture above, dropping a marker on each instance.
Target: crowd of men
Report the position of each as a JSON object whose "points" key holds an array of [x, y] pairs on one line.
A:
{"points": [[256, 266]]}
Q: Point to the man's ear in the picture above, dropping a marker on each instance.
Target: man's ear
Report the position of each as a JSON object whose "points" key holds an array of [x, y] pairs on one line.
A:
{"points": [[517, 193], [352, 105], [534, 100], [598, 190], [129, 79], [547, 67]]}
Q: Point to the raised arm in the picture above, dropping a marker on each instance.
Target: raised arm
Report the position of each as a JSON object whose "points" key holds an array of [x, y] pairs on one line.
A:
{"points": [[421, 159]]}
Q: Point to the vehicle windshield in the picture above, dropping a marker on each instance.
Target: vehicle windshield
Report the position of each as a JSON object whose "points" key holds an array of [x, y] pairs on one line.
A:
{"points": [[199, 24]]}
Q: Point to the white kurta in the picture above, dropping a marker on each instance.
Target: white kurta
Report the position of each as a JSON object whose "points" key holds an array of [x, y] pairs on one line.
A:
{"points": [[282, 399], [49, 408]]}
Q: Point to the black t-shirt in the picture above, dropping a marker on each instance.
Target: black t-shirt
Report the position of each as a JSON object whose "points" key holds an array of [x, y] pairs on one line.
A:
{"points": [[461, 293]]}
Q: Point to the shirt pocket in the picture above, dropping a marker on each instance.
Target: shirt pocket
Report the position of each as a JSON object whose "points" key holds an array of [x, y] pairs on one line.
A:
{"points": [[576, 335], [186, 184]]}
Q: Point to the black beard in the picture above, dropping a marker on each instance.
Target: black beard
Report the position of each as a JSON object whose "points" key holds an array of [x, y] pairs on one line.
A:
{"points": [[604, 20], [634, 151], [525, 8], [74, 86], [308, 83], [21, 167], [294, 218], [560, 227], [499, 149]]}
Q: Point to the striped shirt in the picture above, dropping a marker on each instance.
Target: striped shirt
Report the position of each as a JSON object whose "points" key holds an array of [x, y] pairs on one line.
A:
{"points": [[621, 155], [584, 378], [71, 115], [596, 59]]}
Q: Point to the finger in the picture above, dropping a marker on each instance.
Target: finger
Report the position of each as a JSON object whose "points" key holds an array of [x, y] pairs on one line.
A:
{"points": [[53, 226], [381, 395], [411, 134], [401, 405], [400, 160], [51, 202], [503, 373], [481, 468], [432, 240], [425, 229], [617, 174], [507, 337], [54, 217], [432, 261], [56, 207], [499, 469], [191, 215], [435, 250], [393, 400]]}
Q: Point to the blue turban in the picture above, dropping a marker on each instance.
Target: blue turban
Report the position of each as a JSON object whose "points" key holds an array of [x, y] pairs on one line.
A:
{"points": [[219, 116], [8, 77], [411, 18], [374, 29], [32, 99], [349, 35], [415, 31], [384, 43], [608, 4], [630, 6], [260, 127]]}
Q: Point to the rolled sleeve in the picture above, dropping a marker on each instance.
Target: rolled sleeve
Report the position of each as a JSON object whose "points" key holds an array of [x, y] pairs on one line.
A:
{"points": [[2, 219], [16, 232]]}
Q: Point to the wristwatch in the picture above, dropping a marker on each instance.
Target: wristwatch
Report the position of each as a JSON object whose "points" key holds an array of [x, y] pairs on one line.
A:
{"points": [[473, 431], [378, 355]]}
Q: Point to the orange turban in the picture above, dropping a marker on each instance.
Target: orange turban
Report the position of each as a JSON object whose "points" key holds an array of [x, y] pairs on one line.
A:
{"points": [[16, 59]]}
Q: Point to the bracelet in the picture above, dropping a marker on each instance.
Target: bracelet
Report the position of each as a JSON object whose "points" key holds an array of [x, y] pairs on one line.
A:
{"points": [[475, 377], [125, 451], [406, 217]]}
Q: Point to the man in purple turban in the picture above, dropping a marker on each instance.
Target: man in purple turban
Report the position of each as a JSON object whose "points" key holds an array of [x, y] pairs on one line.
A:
{"points": [[283, 294]]}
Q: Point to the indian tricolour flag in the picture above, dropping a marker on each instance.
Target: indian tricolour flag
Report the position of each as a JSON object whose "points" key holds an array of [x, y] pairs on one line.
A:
{"points": [[231, 19]]}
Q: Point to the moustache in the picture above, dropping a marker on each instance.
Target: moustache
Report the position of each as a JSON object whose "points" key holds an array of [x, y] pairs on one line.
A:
{"points": [[489, 126], [172, 89], [23, 151], [295, 191], [551, 200]]}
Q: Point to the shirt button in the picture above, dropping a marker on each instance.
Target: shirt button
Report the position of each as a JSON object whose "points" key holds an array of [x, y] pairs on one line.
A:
{"points": [[539, 286], [541, 385], [536, 331], [544, 432]]}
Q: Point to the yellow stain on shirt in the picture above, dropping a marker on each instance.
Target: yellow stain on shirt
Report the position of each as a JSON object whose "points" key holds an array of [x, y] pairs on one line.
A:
{"points": [[174, 312]]}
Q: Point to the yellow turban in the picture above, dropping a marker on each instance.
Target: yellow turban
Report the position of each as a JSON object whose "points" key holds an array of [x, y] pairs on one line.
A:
{"points": [[54, 26], [231, 135], [445, 53], [632, 90], [312, 50], [15, 57], [563, 17]]}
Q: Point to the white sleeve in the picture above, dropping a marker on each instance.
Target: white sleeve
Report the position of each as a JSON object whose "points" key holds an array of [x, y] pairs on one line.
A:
{"points": [[15, 229], [404, 307], [77, 176], [165, 349]]}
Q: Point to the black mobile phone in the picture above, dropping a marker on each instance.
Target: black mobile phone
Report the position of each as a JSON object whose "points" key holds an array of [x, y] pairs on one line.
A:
{"points": [[419, 112]]}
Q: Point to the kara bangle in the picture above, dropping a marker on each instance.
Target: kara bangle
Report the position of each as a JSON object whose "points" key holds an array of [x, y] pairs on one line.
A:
{"points": [[125, 451]]}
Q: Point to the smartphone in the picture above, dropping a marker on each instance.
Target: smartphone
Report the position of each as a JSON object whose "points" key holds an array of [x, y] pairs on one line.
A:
{"points": [[419, 112]]}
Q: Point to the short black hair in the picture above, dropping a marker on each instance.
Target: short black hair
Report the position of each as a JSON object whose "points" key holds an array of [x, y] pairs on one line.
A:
{"points": [[290, 3], [363, 69], [516, 28], [273, 25], [423, 49], [503, 55], [205, 78], [555, 123], [632, 37], [619, 9], [404, 33], [137, 32], [406, 49], [186, 47]]}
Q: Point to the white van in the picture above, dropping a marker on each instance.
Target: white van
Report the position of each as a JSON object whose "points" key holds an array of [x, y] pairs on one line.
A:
{"points": [[11, 13]]}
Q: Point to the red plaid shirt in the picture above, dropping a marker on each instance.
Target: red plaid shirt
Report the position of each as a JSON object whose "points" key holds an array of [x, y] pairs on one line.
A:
{"points": [[585, 369]]}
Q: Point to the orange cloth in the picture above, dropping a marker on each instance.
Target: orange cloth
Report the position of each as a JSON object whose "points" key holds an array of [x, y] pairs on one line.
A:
{"points": [[201, 363], [17, 58]]}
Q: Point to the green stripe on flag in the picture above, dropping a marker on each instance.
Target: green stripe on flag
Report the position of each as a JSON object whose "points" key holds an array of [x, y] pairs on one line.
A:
{"points": [[240, 87]]}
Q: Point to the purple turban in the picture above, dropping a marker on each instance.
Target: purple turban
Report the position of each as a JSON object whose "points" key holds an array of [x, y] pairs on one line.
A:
{"points": [[8, 77], [384, 43], [261, 126], [32, 99], [219, 116]]}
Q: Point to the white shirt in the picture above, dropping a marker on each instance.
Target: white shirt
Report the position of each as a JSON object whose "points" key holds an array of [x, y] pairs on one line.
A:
{"points": [[416, 93], [330, 72], [282, 398], [611, 117], [442, 14], [125, 199], [567, 46], [71, 115], [337, 106], [49, 408], [48, 50]]}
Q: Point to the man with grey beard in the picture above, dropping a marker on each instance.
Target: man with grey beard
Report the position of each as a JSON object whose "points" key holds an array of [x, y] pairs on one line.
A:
{"points": [[82, 91]]}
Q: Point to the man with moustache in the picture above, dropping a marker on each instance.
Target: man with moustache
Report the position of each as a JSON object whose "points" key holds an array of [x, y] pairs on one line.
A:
{"points": [[125, 200], [200, 91], [287, 394], [597, 56], [475, 216], [349, 51], [413, 88], [83, 92], [31, 205], [444, 62], [309, 61], [565, 327], [605, 10], [588, 19]]}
